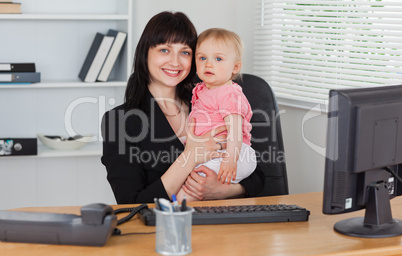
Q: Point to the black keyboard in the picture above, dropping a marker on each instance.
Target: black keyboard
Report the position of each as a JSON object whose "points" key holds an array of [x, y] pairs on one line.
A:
{"points": [[237, 214]]}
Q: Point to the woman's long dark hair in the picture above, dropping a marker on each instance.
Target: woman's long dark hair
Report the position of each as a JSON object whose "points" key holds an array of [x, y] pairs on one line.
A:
{"points": [[165, 27]]}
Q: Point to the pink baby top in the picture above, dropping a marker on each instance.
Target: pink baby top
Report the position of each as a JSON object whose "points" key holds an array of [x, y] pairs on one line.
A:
{"points": [[210, 106]]}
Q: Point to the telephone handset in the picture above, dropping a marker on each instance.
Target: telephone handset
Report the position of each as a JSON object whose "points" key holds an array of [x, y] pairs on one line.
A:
{"points": [[93, 228]]}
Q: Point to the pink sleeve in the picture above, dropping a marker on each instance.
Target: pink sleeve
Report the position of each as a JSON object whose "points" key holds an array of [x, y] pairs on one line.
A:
{"points": [[195, 91], [234, 103]]}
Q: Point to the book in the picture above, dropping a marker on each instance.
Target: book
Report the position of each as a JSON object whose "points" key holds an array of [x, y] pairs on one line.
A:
{"points": [[17, 67], [8, 7], [96, 57], [117, 46], [20, 77]]}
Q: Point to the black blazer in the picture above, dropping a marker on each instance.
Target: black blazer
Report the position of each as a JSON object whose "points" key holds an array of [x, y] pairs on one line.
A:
{"points": [[139, 147]]}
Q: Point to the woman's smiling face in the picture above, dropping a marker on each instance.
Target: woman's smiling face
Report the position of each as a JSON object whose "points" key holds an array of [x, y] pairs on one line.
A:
{"points": [[169, 64]]}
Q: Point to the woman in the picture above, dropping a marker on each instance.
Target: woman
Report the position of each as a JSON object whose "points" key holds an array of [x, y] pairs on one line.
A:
{"points": [[143, 147]]}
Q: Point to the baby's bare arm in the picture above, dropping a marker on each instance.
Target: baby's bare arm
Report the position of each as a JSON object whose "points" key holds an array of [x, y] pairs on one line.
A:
{"points": [[228, 169]]}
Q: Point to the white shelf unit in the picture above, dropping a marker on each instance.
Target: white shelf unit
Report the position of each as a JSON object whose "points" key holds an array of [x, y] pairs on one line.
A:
{"points": [[63, 84], [56, 35], [91, 149], [46, 16]]}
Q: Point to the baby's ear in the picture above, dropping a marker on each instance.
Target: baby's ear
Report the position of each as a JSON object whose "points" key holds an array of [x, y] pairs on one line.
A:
{"points": [[237, 67]]}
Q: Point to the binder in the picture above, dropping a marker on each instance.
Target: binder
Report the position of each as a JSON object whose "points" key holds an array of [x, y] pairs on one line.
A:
{"points": [[18, 146], [17, 67], [120, 38], [20, 77], [96, 57]]}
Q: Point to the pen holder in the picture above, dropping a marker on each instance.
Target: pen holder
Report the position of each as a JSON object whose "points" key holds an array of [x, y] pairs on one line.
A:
{"points": [[173, 232]]}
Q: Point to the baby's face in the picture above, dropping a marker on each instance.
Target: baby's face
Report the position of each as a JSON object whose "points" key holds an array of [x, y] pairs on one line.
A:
{"points": [[216, 62]]}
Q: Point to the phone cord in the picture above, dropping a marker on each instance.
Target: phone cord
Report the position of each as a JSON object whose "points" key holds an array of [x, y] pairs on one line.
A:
{"points": [[133, 211]]}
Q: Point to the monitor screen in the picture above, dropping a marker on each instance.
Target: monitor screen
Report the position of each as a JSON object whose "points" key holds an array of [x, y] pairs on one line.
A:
{"points": [[363, 157]]}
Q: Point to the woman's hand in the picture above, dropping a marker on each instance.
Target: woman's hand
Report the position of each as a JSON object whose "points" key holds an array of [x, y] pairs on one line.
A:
{"points": [[208, 187], [205, 147]]}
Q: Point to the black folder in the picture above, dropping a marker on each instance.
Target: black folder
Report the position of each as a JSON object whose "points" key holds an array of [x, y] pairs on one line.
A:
{"points": [[17, 67]]}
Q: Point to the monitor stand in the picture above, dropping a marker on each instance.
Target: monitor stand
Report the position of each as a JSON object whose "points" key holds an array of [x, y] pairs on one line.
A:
{"points": [[377, 221]]}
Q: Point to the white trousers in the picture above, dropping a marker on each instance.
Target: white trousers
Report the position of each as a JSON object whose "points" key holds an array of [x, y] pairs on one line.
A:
{"points": [[245, 164]]}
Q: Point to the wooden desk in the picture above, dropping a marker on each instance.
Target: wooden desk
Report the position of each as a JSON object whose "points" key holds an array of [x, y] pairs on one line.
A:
{"points": [[315, 237]]}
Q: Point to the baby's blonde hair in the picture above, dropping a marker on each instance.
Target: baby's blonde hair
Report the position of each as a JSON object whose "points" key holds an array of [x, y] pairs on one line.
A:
{"points": [[224, 36]]}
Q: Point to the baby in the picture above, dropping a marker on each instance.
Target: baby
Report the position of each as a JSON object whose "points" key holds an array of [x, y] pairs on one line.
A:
{"points": [[218, 101]]}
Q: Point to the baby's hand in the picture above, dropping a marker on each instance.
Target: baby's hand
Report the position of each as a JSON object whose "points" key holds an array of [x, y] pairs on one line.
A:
{"points": [[227, 172]]}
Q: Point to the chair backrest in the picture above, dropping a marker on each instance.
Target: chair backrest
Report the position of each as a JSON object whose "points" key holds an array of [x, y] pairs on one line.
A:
{"points": [[266, 134]]}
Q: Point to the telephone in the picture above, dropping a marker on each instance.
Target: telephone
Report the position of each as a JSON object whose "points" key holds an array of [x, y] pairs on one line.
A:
{"points": [[93, 228]]}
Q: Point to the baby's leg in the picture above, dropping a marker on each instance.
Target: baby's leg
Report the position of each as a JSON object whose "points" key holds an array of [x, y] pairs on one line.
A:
{"points": [[180, 196], [246, 164]]}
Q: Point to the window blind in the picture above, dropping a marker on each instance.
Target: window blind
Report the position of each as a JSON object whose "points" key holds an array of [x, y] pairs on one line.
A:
{"points": [[305, 48]]}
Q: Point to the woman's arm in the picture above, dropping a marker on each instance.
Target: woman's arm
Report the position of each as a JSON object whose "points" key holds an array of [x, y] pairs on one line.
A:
{"points": [[197, 150], [128, 181], [133, 181], [209, 188]]}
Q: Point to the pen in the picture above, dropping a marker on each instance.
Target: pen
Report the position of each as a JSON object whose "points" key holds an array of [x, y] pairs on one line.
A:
{"points": [[175, 204], [156, 204], [165, 205], [183, 204], [170, 222]]}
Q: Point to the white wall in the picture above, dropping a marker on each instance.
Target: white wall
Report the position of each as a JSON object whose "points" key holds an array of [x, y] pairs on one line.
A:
{"points": [[235, 15], [304, 160]]}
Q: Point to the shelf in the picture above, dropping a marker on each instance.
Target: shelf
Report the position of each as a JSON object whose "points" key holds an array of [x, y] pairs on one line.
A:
{"points": [[27, 16], [62, 84], [91, 149]]}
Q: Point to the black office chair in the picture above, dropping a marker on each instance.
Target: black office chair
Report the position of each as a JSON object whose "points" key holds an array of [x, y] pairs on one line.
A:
{"points": [[266, 134]]}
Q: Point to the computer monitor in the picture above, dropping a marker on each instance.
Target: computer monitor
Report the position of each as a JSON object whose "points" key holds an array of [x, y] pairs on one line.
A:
{"points": [[363, 157]]}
